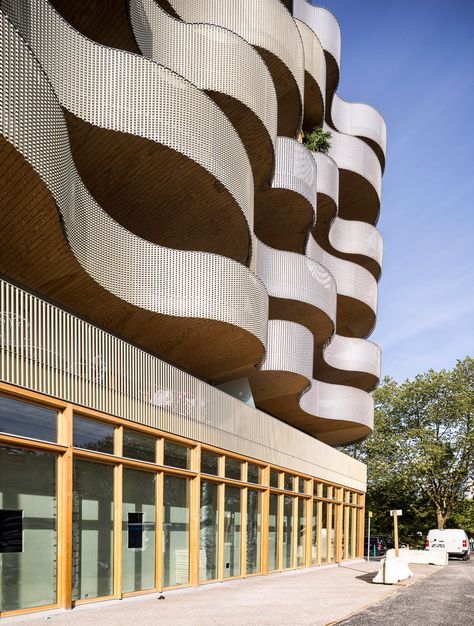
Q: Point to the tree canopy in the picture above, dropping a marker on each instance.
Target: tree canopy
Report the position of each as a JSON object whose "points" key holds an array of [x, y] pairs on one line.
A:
{"points": [[421, 455], [318, 140]]}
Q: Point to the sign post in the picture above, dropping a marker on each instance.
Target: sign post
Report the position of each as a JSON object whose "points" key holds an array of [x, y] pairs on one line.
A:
{"points": [[368, 536], [396, 513]]}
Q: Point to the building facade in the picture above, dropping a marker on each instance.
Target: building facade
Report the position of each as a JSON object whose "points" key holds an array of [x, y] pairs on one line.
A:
{"points": [[186, 292]]}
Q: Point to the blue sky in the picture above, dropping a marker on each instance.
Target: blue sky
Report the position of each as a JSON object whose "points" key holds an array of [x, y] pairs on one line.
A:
{"points": [[414, 61]]}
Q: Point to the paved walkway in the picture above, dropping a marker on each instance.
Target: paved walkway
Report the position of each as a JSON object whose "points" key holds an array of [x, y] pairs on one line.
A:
{"points": [[316, 597], [442, 599]]}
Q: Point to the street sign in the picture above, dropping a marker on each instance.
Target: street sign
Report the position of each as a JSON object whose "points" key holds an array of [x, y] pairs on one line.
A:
{"points": [[397, 512]]}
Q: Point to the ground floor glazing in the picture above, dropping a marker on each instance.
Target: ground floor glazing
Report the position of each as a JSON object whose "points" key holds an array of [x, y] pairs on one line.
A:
{"points": [[95, 507]]}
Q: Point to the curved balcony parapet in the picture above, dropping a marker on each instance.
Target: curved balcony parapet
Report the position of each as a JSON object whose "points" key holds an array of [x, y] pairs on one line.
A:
{"points": [[295, 169], [359, 238], [363, 121], [338, 402], [327, 176], [291, 276], [121, 91], [269, 27], [315, 78], [324, 25], [213, 58], [130, 270], [289, 348], [352, 280], [353, 355]]}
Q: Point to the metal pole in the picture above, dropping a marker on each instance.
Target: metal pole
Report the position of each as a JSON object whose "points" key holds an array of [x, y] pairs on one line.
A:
{"points": [[395, 528], [368, 539]]}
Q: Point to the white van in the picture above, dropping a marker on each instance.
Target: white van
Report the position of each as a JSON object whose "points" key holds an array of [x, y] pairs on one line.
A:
{"points": [[453, 540]]}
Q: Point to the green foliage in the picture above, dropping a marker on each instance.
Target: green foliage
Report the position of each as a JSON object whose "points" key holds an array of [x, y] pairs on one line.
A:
{"points": [[318, 140], [421, 455]]}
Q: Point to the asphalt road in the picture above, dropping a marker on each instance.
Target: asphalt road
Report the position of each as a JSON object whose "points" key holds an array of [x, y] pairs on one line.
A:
{"points": [[444, 599]]}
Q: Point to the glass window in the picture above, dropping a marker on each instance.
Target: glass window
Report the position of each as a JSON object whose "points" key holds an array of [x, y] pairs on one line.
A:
{"points": [[139, 446], [274, 475], [209, 462], [315, 488], [138, 530], [177, 455], [233, 468], [325, 491], [28, 504], [253, 473], [254, 520], [232, 532], [93, 435], [287, 532], [176, 531], [301, 485], [301, 549], [288, 482], [314, 548], [208, 531], [355, 498], [24, 419], [324, 534], [273, 533], [93, 530]]}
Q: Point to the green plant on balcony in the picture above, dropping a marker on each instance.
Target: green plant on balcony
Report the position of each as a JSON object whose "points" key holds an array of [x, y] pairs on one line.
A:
{"points": [[318, 140]]}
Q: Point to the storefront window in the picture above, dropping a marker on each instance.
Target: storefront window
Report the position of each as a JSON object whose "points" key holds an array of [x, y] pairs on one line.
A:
{"points": [[93, 435], [324, 534], [233, 468], [287, 532], [176, 531], [253, 473], [314, 538], [138, 530], [288, 482], [273, 533], [208, 531], [274, 476], [209, 463], [28, 528], [93, 529], [177, 455], [232, 532], [301, 548], [254, 520], [24, 419], [139, 446]]}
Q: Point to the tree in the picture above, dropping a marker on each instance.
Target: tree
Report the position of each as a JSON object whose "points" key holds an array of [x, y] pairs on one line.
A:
{"points": [[421, 455], [318, 140]]}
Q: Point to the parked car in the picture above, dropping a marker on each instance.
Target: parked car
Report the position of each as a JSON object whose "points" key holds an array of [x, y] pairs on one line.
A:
{"points": [[378, 545], [453, 540]]}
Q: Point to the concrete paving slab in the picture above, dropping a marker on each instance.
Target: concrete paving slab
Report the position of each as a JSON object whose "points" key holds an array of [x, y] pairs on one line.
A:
{"points": [[316, 596]]}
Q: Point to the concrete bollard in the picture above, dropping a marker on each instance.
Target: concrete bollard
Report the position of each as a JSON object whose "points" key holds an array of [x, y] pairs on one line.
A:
{"points": [[392, 571]]}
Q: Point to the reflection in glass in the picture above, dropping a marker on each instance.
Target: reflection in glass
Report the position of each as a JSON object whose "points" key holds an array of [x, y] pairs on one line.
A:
{"points": [[253, 473], [315, 488], [288, 482], [28, 497], [209, 462], [254, 520], [138, 530], [208, 531], [176, 531], [314, 537], [349, 534], [301, 556], [232, 532], [274, 475], [301, 485], [324, 535], [139, 446], [287, 532], [93, 435], [27, 420], [177, 455], [273, 533], [93, 510], [233, 468], [331, 525]]}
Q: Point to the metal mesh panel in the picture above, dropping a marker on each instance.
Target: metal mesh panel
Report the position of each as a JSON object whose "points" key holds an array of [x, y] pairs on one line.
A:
{"points": [[295, 169], [266, 23], [296, 277], [353, 354], [314, 61], [289, 348], [352, 280], [211, 57], [167, 281], [324, 25], [125, 92], [49, 351]]}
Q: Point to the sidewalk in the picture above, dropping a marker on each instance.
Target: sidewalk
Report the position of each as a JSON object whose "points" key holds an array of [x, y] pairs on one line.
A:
{"points": [[316, 596]]}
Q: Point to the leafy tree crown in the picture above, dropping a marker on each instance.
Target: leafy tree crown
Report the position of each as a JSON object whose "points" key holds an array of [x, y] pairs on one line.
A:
{"points": [[318, 140]]}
